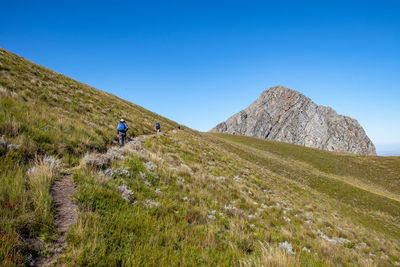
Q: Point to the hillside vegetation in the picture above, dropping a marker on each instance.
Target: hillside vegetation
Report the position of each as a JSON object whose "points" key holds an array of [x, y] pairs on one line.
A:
{"points": [[45, 113], [181, 197]]}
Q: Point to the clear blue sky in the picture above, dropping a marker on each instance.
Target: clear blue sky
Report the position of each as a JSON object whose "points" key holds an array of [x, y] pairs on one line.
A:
{"points": [[198, 62]]}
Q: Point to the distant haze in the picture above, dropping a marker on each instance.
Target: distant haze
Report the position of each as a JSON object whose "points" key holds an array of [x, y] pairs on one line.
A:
{"points": [[388, 149]]}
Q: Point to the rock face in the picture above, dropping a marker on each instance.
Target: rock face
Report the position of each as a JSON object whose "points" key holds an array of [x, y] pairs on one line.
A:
{"points": [[285, 115]]}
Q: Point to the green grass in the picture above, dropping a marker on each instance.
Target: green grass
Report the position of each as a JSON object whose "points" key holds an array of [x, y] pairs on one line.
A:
{"points": [[26, 209], [124, 234], [257, 150], [61, 115], [177, 232], [381, 171], [233, 235], [47, 113]]}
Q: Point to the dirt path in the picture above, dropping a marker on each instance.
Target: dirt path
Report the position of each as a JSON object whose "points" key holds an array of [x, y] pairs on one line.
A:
{"points": [[66, 213], [65, 216]]}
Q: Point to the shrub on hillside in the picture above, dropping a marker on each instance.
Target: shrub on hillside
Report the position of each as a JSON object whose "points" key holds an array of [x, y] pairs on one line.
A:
{"points": [[96, 160]]}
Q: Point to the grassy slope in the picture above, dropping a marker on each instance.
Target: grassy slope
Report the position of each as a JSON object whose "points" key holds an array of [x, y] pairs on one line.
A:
{"points": [[283, 192], [319, 169], [380, 171], [60, 114], [47, 113], [270, 207]]}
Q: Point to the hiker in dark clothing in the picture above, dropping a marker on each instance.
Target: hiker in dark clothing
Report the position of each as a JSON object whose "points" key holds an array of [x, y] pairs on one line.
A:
{"points": [[157, 127], [122, 128]]}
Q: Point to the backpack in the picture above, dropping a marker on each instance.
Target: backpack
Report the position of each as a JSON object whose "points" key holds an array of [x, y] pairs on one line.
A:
{"points": [[158, 126], [121, 126]]}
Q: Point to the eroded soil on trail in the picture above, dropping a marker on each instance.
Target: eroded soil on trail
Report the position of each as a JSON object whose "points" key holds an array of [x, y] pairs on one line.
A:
{"points": [[65, 216]]}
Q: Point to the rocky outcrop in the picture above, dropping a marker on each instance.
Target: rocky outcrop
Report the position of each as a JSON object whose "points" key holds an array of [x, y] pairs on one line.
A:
{"points": [[286, 115]]}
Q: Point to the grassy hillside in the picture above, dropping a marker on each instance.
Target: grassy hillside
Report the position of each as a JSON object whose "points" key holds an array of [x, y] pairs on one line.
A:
{"points": [[60, 115], [199, 199], [317, 169], [380, 171], [46, 113]]}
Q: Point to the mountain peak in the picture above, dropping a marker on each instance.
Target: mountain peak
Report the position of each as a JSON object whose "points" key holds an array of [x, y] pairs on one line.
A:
{"points": [[278, 89], [286, 115]]}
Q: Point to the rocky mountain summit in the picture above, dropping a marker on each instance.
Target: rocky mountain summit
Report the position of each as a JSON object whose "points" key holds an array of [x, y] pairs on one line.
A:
{"points": [[285, 115]]}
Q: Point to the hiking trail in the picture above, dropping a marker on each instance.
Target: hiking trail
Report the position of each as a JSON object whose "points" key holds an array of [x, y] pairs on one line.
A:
{"points": [[66, 213], [65, 216]]}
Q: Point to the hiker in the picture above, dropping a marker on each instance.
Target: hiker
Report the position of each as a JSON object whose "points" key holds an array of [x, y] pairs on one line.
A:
{"points": [[122, 128], [157, 127], [179, 127]]}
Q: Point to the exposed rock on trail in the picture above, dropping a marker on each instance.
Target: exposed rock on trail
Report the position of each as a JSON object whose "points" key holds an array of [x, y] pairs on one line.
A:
{"points": [[285, 115]]}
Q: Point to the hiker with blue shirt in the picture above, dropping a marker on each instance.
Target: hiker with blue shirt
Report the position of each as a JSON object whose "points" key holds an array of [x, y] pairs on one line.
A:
{"points": [[122, 128]]}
